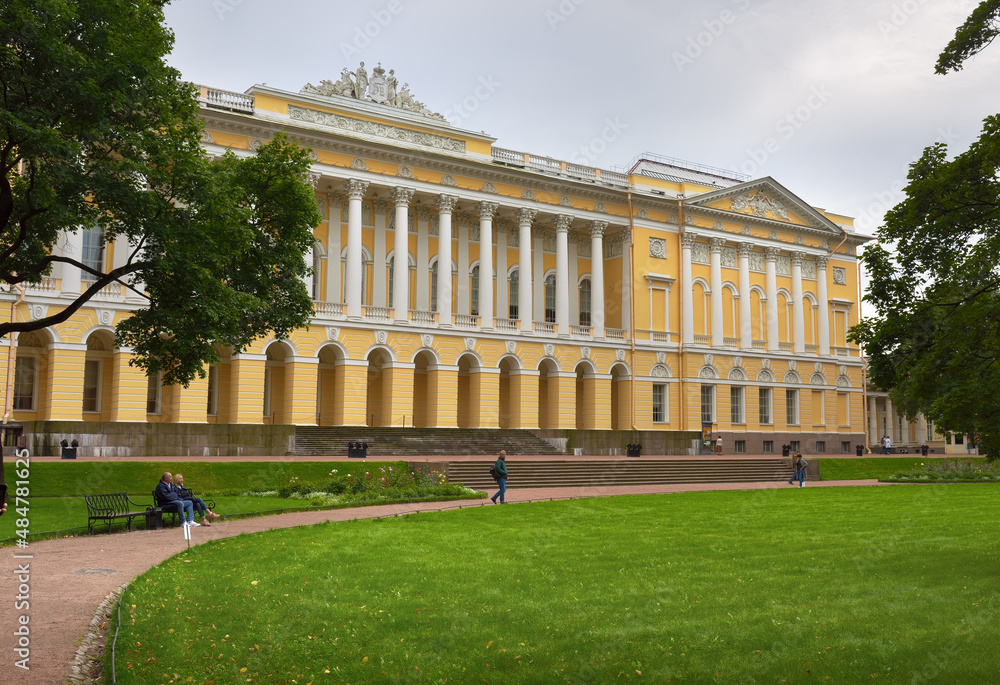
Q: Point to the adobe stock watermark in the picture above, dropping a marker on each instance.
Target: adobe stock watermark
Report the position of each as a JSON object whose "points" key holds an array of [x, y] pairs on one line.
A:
{"points": [[868, 218], [224, 7], [586, 155], [786, 127], [712, 29], [22, 573], [901, 13], [460, 111], [365, 33], [563, 11]]}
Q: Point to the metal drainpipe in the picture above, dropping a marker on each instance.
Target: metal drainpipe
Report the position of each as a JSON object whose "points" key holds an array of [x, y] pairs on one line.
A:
{"points": [[631, 304], [11, 358]]}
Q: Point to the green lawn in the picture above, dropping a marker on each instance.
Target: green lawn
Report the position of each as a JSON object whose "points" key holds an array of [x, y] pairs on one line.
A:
{"points": [[862, 468], [894, 584]]}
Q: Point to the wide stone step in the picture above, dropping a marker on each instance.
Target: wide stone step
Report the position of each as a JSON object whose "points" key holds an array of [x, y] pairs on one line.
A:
{"points": [[545, 474]]}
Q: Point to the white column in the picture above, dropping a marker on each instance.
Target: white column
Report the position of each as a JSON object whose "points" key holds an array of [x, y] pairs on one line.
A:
{"points": [[352, 277], [573, 278], [401, 256], [771, 283], [921, 425], [463, 265], [503, 304], [890, 420], [904, 431], [626, 278], [333, 259], [873, 436], [446, 205], [72, 247], [746, 327], [138, 287], [824, 306], [687, 297], [307, 278], [716, 271], [798, 320], [562, 274], [423, 292], [524, 296], [597, 229], [486, 212], [538, 266]]}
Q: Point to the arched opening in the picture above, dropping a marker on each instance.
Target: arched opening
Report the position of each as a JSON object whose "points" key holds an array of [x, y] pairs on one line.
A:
{"points": [[274, 383], [509, 393], [730, 313], [422, 417], [758, 317], [469, 402], [586, 405], [329, 390], [700, 307], [378, 361], [31, 376], [619, 398], [97, 377], [548, 394], [784, 318]]}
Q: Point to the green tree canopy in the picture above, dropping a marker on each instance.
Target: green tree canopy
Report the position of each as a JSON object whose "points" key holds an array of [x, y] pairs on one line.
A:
{"points": [[935, 278], [97, 131]]}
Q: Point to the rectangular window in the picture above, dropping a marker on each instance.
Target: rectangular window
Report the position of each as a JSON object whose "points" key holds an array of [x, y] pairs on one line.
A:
{"points": [[736, 413], [92, 385], [820, 446], [794, 445], [474, 293], [708, 404], [768, 447], [93, 252], [792, 407], [845, 446], [434, 288], [740, 446], [659, 403], [550, 299], [818, 408], [213, 390], [843, 409], [585, 303], [25, 371], [153, 394], [764, 403]]}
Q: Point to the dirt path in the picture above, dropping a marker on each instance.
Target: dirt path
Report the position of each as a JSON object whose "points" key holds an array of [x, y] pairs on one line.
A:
{"points": [[69, 577]]}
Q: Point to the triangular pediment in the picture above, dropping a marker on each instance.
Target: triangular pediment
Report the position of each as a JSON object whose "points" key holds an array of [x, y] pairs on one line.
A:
{"points": [[764, 199]]}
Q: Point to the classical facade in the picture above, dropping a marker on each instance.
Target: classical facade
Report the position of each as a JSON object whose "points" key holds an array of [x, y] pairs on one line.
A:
{"points": [[461, 284]]}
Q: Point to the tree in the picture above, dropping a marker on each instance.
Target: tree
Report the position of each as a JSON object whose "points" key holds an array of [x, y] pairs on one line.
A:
{"points": [[935, 277], [96, 131]]}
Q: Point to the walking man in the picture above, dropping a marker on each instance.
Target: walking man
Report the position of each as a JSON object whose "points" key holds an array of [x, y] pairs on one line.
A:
{"points": [[500, 469]]}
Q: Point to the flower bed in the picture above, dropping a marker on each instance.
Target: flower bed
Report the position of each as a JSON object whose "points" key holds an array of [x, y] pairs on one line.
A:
{"points": [[382, 484], [947, 470]]}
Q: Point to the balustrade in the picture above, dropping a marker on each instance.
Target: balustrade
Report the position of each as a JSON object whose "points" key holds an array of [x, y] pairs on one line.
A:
{"points": [[423, 318]]}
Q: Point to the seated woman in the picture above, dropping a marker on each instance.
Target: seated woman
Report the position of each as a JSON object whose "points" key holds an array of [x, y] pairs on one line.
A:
{"points": [[198, 502]]}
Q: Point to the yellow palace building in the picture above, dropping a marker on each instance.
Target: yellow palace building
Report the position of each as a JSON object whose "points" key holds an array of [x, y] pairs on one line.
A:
{"points": [[458, 284]]}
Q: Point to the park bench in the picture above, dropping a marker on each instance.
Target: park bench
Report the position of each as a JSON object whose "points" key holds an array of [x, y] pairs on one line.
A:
{"points": [[110, 507]]}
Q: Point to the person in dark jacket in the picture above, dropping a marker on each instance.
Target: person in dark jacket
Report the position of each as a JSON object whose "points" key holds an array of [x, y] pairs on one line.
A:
{"points": [[168, 497], [501, 470], [199, 504], [800, 470]]}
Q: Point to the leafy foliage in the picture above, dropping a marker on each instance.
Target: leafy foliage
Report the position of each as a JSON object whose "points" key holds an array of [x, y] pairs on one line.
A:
{"points": [[935, 283], [97, 131], [976, 33]]}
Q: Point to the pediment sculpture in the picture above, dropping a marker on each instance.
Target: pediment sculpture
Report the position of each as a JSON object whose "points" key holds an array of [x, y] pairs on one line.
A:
{"points": [[381, 88], [759, 205]]}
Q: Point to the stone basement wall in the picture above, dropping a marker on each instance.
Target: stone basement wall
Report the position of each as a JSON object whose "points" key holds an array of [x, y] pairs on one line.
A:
{"points": [[107, 439], [608, 443]]}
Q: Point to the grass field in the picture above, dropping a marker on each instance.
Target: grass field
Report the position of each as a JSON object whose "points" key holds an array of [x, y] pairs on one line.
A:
{"points": [[862, 468], [893, 584]]}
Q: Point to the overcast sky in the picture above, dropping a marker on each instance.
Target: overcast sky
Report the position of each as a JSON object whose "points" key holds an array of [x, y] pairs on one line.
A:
{"points": [[832, 99]]}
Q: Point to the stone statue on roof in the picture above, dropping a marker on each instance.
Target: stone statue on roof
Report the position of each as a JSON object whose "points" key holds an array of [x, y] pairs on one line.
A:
{"points": [[381, 89]]}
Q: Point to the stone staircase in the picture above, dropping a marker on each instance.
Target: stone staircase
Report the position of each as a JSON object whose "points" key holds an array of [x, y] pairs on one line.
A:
{"points": [[418, 442], [566, 473]]}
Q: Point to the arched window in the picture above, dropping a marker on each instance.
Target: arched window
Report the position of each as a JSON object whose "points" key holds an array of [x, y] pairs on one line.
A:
{"points": [[585, 302], [93, 251], [550, 298], [434, 287], [474, 291], [391, 279], [512, 293]]}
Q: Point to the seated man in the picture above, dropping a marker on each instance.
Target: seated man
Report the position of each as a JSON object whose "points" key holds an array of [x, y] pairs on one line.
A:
{"points": [[199, 504], [167, 496]]}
